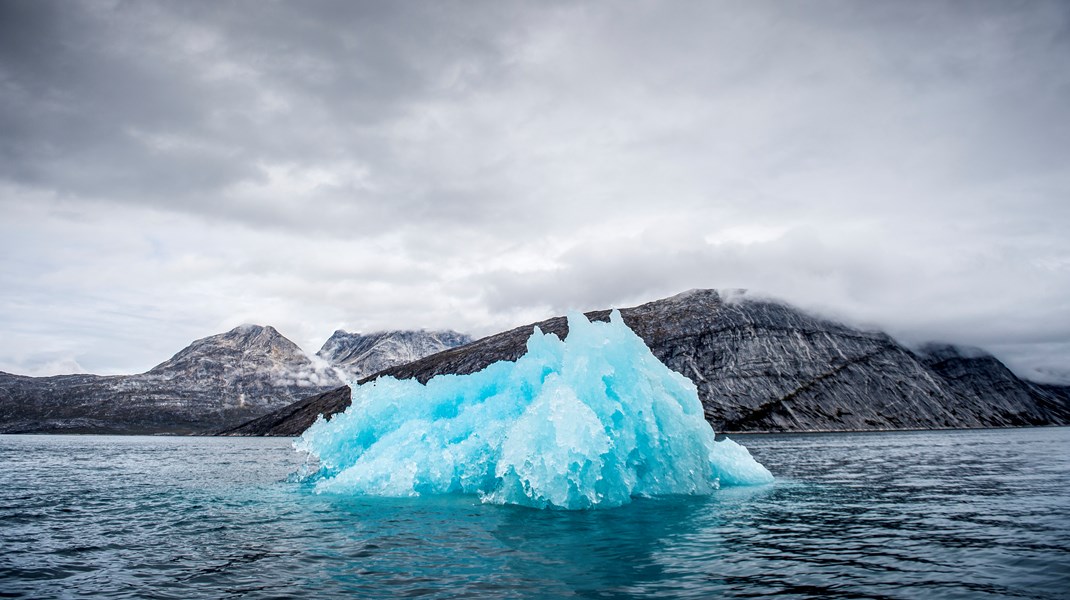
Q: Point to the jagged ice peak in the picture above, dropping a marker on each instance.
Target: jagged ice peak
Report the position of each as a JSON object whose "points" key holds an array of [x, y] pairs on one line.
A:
{"points": [[591, 421]]}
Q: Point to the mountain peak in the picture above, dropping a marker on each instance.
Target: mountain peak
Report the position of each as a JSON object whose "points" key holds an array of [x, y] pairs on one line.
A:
{"points": [[232, 347], [252, 328], [358, 355], [250, 331], [217, 380]]}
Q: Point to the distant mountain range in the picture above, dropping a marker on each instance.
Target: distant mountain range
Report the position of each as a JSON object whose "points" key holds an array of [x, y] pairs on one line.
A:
{"points": [[759, 365], [765, 366], [214, 383], [358, 355]]}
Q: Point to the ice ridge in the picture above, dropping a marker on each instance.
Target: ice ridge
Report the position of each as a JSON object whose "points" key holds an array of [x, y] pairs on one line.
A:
{"points": [[591, 421]]}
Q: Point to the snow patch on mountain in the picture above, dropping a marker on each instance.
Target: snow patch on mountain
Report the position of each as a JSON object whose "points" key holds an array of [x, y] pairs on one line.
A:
{"points": [[355, 355]]}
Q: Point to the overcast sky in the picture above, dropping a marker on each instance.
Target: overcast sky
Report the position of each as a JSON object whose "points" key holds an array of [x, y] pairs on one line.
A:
{"points": [[171, 170]]}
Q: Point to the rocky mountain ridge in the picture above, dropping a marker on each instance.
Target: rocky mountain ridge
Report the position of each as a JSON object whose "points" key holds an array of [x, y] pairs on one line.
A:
{"points": [[761, 365], [358, 355], [215, 381]]}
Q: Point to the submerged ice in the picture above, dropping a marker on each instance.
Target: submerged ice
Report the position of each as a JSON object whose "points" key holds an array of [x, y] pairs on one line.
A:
{"points": [[590, 421]]}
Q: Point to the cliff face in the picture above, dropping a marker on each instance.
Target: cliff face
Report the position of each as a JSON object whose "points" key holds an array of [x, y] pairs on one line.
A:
{"points": [[758, 366], [215, 382], [294, 419], [982, 379], [359, 355], [765, 366]]}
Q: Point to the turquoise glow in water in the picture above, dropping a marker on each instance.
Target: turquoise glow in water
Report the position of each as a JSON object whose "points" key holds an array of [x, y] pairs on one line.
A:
{"points": [[973, 514]]}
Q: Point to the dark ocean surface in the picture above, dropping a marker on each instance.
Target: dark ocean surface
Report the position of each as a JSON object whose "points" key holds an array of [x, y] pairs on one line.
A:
{"points": [[953, 514]]}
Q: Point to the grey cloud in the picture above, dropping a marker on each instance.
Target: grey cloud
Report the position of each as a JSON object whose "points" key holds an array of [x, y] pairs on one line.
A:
{"points": [[1006, 304], [120, 103], [478, 165], [612, 107]]}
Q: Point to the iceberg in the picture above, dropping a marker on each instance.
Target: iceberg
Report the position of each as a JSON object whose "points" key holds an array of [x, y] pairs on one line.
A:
{"points": [[591, 421]]}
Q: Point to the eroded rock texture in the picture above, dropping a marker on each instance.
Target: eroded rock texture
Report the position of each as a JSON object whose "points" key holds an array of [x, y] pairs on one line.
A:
{"points": [[765, 366], [358, 355], [215, 382]]}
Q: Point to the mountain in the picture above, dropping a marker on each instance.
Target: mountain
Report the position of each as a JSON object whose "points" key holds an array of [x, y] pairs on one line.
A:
{"points": [[215, 382], [293, 420], [982, 377], [761, 365], [358, 356]]}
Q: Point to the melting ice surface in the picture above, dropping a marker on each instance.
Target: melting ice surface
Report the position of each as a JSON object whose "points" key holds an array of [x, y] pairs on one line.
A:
{"points": [[591, 421]]}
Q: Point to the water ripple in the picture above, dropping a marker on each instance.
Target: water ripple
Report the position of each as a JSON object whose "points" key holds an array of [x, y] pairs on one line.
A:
{"points": [[975, 514]]}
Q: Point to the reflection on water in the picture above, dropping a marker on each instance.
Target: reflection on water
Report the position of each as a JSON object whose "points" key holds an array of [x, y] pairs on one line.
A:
{"points": [[593, 551], [907, 515]]}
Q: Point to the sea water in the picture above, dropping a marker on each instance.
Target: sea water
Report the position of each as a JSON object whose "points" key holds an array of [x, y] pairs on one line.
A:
{"points": [[955, 514]]}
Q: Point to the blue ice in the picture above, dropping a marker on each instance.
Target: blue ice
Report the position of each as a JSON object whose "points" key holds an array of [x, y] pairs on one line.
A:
{"points": [[591, 421]]}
